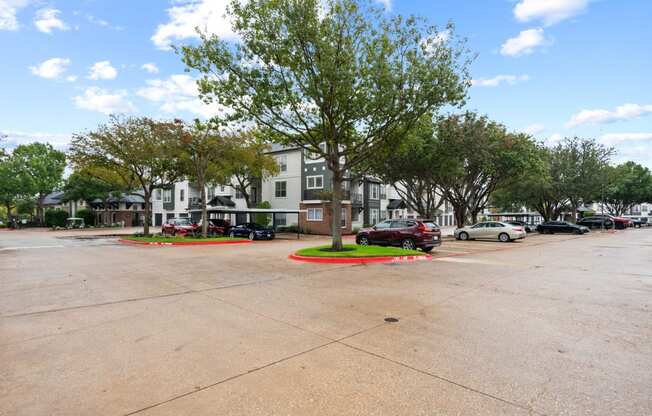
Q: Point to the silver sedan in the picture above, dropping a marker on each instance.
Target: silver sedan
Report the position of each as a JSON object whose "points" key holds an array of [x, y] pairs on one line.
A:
{"points": [[492, 230]]}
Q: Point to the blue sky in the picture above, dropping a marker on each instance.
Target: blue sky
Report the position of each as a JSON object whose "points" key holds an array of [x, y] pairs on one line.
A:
{"points": [[553, 68]]}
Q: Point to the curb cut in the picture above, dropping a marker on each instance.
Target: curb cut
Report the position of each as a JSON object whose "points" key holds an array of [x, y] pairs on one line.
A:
{"points": [[183, 243], [359, 260]]}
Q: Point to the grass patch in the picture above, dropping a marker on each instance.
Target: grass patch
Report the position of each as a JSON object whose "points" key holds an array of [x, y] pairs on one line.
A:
{"points": [[160, 239], [354, 250]]}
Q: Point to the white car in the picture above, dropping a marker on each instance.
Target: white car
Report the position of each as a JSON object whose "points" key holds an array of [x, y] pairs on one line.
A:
{"points": [[491, 230]]}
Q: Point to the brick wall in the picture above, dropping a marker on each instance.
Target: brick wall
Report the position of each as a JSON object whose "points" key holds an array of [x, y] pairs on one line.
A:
{"points": [[323, 227]]}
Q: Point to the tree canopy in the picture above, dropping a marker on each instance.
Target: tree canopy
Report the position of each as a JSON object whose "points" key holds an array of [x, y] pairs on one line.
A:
{"points": [[628, 184], [337, 78]]}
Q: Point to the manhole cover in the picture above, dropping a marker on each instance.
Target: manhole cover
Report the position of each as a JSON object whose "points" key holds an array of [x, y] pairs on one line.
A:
{"points": [[390, 319]]}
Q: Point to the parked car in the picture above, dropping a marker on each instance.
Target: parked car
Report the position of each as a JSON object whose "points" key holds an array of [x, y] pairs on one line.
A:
{"points": [[552, 227], [525, 225], [179, 226], [491, 230], [405, 233], [639, 222], [252, 231], [216, 226], [73, 222], [604, 221]]}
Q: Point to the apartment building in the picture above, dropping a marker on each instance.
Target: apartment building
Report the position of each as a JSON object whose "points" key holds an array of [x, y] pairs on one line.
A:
{"points": [[303, 182]]}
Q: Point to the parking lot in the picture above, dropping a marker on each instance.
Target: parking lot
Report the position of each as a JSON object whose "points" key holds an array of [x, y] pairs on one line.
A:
{"points": [[553, 324]]}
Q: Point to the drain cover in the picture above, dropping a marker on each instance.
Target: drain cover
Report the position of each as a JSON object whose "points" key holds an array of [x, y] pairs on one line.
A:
{"points": [[390, 319]]}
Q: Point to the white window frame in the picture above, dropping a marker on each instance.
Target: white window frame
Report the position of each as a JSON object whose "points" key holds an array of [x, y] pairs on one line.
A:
{"points": [[159, 194], [276, 190], [374, 212], [182, 195], [314, 180], [313, 217], [374, 191], [282, 161], [343, 218], [167, 196], [314, 157]]}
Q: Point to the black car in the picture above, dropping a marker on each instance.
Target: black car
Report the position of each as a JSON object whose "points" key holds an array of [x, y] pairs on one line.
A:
{"points": [[523, 224], [552, 227], [596, 222], [252, 231]]}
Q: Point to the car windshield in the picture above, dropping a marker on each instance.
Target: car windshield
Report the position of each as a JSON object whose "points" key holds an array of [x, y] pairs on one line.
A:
{"points": [[431, 225], [182, 221], [382, 225]]}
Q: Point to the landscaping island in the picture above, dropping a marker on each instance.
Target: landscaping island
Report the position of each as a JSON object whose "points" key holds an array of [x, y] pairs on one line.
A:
{"points": [[181, 241], [354, 253]]}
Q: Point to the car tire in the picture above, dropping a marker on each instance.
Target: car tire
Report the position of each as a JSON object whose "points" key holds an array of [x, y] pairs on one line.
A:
{"points": [[252, 236], [578, 232], [463, 236], [504, 238], [427, 249], [363, 240], [408, 244]]}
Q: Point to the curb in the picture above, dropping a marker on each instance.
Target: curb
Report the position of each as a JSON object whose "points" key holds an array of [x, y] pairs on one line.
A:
{"points": [[359, 260], [183, 243]]}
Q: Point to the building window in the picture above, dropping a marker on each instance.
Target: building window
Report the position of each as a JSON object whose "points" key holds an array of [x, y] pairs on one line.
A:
{"points": [[182, 194], [167, 195], [159, 194], [315, 182], [374, 215], [222, 188], [238, 193], [343, 219], [314, 157], [210, 193], [281, 189], [282, 161], [374, 190], [280, 220], [383, 192], [315, 214]]}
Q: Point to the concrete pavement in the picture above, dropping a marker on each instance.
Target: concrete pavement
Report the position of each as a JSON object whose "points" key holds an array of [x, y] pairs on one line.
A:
{"points": [[549, 325]]}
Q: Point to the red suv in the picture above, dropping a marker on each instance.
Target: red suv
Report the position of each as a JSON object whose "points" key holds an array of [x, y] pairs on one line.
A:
{"points": [[405, 233]]}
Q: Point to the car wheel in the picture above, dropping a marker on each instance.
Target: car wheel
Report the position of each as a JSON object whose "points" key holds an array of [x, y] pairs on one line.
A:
{"points": [[427, 249], [578, 231], [407, 244], [503, 237], [464, 236], [252, 235], [232, 234], [363, 240]]}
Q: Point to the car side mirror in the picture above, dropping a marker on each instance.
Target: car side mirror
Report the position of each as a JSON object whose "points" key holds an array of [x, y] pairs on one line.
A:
{"points": [[374, 228]]}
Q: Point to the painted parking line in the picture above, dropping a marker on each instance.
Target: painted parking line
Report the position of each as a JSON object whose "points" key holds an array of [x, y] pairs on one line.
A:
{"points": [[28, 247], [472, 261]]}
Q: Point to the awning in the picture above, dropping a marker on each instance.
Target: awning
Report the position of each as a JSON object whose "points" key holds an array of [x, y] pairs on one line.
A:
{"points": [[221, 201], [396, 204]]}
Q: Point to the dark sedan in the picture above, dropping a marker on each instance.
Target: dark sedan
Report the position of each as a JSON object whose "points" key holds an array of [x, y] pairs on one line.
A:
{"points": [[552, 227], [523, 224], [252, 231]]}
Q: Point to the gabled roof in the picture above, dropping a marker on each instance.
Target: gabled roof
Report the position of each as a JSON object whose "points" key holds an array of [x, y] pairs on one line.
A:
{"points": [[396, 204], [53, 198], [221, 201]]}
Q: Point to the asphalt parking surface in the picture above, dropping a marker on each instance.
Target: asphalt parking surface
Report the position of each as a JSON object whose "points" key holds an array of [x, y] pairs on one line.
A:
{"points": [[551, 325]]}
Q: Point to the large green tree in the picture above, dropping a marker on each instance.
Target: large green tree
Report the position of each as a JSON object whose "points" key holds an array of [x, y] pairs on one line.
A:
{"points": [[89, 184], [10, 184], [203, 154], [141, 152], [583, 163], [627, 185], [40, 170], [477, 156], [248, 161], [337, 78]]}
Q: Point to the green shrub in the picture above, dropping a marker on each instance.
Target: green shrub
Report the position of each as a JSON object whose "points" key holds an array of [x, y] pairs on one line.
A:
{"points": [[55, 218], [87, 215], [261, 218]]}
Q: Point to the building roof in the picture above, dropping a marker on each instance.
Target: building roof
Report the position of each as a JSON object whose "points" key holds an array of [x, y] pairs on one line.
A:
{"points": [[221, 201], [53, 198], [396, 204], [135, 197], [281, 148]]}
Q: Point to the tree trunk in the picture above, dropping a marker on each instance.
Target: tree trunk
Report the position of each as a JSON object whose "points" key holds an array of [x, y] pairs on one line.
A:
{"points": [[460, 215], [147, 196], [204, 212], [39, 209], [336, 226]]}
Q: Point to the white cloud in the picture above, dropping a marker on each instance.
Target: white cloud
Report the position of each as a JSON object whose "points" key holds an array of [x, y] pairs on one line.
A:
{"points": [[208, 15], [71, 78], [500, 79], [8, 11], [16, 138], [48, 19], [102, 70], [626, 138], [548, 11], [533, 129], [103, 101], [387, 4], [150, 67], [553, 139], [600, 116], [178, 93], [524, 43], [51, 69]]}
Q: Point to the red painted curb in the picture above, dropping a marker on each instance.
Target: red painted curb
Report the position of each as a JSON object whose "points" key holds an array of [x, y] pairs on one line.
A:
{"points": [[359, 260], [183, 243]]}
